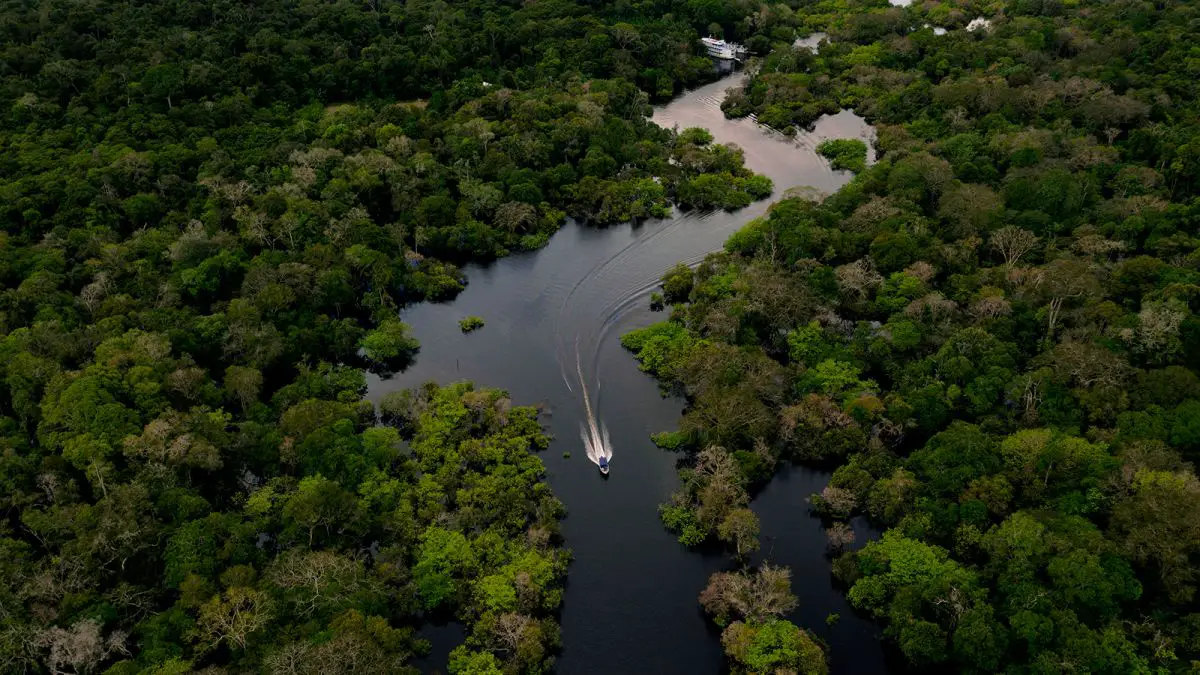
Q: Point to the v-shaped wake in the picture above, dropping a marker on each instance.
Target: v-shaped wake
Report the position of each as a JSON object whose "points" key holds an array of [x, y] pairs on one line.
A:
{"points": [[594, 435]]}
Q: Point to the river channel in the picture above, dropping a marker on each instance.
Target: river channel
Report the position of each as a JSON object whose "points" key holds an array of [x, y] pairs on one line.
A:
{"points": [[630, 602]]}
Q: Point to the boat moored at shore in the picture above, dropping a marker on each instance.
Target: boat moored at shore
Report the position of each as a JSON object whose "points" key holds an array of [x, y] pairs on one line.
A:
{"points": [[723, 50]]}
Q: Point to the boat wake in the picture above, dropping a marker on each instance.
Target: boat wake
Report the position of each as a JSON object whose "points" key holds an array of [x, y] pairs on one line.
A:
{"points": [[593, 434]]}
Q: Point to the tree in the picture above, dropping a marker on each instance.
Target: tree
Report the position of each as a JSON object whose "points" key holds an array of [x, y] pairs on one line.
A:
{"points": [[444, 558], [359, 643], [771, 647], [740, 528], [320, 503], [839, 536], [1158, 525], [466, 662], [82, 647], [752, 595], [318, 581], [232, 617], [390, 343], [1062, 281], [858, 278], [972, 209], [677, 283], [1013, 243], [244, 384]]}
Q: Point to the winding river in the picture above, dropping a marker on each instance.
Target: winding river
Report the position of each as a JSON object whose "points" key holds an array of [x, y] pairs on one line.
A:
{"points": [[631, 597]]}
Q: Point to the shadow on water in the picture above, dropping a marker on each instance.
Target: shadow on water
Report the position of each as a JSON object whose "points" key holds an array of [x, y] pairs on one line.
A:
{"points": [[630, 602]]}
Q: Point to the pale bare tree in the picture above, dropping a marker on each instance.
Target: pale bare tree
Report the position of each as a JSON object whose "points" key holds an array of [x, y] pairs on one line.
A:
{"points": [[838, 502], [770, 593], [510, 629], [933, 306], [1158, 329], [839, 536], [516, 216], [317, 580], [752, 595], [1088, 365], [232, 617], [1013, 243], [858, 278], [166, 440], [94, 293], [1097, 246], [80, 648], [991, 305], [255, 226], [866, 217], [921, 270]]}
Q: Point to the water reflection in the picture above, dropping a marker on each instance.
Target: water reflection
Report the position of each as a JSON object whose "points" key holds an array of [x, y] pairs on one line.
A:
{"points": [[812, 43]]}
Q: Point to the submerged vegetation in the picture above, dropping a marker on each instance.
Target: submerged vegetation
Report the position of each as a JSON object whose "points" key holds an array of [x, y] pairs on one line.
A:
{"points": [[470, 324], [849, 154]]}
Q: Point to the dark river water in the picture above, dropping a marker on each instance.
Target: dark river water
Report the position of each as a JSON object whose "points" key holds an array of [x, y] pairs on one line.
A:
{"points": [[631, 597]]}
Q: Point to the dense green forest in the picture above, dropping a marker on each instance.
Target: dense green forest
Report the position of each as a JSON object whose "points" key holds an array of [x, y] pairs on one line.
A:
{"points": [[212, 213], [989, 335]]}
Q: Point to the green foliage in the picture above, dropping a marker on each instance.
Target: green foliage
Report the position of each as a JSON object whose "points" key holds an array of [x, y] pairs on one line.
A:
{"points": [[682, 521], [389, 343], [991, 329], [849, 154], [659, 348], [677, 283], [442, 559], [985, 333], [773, 646], [470, 324]]}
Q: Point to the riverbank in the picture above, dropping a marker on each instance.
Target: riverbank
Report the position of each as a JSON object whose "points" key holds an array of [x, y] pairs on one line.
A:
{"points": [[631, 597]]}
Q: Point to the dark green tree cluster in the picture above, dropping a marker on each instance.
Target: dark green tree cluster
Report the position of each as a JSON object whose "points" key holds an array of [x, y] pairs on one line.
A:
{"points": [[116, 57], [153, 532], [212, 214], [990, 335]]}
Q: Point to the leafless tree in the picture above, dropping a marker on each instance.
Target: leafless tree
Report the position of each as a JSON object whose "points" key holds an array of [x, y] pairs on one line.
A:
{"points": [[317, 580], [1158, 329], [838, 502], [510, 629], [232, 617], [81, 648], [1013, 243], [839, 536], [752, 595], [858, 278]]}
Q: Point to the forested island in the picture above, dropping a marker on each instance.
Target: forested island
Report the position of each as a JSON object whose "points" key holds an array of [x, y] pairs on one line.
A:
{"points": [[214, 213]]}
